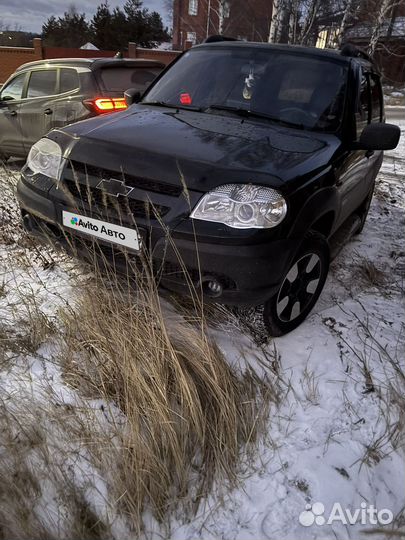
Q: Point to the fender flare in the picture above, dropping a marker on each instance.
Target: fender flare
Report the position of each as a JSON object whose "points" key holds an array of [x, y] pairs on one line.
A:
{"points": [[324, 201]]}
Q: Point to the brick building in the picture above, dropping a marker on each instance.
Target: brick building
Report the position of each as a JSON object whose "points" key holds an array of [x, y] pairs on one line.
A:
{"points": [[195, 20]]}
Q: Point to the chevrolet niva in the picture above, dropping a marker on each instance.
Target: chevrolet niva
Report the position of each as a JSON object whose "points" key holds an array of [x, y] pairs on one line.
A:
{"points": [[240, 163]]}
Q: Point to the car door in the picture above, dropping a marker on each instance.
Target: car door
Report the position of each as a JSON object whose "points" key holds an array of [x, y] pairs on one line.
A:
{"points": [[354, 173], [37, 108], [68, 106], [375, 158], [11, 138]]}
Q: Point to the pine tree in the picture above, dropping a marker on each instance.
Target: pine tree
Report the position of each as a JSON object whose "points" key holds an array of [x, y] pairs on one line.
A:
{"points": [[71, 30], [119, 30], [108, 30], [143, 27], [51, 32], [101, 27]]}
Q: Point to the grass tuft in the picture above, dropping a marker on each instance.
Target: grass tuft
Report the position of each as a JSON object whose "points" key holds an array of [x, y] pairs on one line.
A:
{"points": [[191, 419]]}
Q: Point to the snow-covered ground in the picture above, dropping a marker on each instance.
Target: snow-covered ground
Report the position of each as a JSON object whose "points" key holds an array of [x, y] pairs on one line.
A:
{"points": [[394, 96], [337, 433]]}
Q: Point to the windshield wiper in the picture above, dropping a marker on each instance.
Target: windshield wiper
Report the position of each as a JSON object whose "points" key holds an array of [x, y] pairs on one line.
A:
{"points": [[171, 105], [247, 113]]}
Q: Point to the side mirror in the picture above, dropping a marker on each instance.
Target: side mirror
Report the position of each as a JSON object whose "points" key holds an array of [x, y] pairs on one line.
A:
{"points": [[5, 100], [379, 136], [132, 96]]}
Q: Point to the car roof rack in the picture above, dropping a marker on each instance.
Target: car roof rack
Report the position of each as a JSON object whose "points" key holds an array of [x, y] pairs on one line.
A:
{"points": [[216, 38], [348, 49]]}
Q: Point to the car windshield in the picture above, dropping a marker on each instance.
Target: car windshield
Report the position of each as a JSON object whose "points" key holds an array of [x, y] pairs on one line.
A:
{"points": [[284, 87]]}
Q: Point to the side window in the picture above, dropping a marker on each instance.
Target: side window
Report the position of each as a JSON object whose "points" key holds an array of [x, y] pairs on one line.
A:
{"points": [[363, 115], [69, 80], [376, 98], [14, 88], [42, 83], [364, 100]]}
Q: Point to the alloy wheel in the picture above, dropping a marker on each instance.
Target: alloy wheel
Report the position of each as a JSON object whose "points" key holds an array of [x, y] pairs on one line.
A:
{"points": [[299, 287]]}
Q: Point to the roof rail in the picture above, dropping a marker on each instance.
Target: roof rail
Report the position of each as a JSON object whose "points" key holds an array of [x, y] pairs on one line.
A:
{"points": [[348, 49], [216, 38]]}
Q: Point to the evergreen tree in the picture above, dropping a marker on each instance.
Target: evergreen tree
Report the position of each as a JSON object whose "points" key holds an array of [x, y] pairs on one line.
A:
{"points": [[71, 30], [157, 32], [110, 30], [143, 27], [101, 27], [119, 31], [51, 32]]}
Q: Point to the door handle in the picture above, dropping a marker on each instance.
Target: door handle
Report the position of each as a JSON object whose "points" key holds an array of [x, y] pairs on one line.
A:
{"points": [[369, 153], [48, 111], [13, 113]]}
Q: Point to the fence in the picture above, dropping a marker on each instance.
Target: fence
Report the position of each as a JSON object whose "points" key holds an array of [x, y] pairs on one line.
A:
{"points": [[13, 57]]}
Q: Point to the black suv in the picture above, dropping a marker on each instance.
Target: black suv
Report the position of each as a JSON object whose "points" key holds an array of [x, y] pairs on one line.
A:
{"points": [[46, 94], [240, 162]]}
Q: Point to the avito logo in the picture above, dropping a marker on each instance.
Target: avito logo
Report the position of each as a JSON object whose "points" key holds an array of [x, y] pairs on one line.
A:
{"points": [[366, 515], [79, 222]]}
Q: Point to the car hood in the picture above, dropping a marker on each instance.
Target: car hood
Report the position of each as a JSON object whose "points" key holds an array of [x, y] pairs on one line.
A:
{"points": [[202, 150]]}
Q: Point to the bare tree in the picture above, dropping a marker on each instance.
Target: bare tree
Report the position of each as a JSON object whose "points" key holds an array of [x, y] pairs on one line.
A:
{"points": [[311, 11], [4, 27], [297, 21], [381, 16], [274, 22], [217, 11], [168, 6], [348, 14]]}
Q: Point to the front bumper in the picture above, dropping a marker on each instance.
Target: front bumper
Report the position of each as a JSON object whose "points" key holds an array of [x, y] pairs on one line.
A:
{"points": [[247, 274]]}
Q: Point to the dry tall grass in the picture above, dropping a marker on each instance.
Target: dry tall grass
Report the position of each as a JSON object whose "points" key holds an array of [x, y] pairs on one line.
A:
{"points": [[191, 420], [176, 417], [173, 418]]}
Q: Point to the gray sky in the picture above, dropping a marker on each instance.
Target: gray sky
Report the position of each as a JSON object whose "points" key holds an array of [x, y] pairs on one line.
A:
{"points": [[31, 14]]}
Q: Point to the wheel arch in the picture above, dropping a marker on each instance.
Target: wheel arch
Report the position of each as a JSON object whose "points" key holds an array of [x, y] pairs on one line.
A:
{"points": [[324, 224], [318, 214]]}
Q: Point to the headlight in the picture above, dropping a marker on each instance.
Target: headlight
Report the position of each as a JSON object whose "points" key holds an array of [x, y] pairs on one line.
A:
{"points": [[242, 206], [45, 157]]}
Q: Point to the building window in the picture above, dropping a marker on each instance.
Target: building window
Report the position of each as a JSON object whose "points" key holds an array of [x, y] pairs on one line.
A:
{"points": [[192, 36], [192, 7]]}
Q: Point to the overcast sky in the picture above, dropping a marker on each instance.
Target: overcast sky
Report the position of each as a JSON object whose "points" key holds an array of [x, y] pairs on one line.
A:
{"points": [[31, 14]]}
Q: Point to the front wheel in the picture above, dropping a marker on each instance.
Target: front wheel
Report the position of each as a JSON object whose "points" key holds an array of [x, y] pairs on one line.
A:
{"points": [[300, 288]]}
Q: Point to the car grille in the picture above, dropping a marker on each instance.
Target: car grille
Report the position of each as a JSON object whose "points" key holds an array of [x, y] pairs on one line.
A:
{"points": [[83, 171], [100, 201]]}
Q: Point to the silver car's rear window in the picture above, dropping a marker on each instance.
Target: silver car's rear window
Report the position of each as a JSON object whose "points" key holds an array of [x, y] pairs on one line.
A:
{"points": [[120, 79]]}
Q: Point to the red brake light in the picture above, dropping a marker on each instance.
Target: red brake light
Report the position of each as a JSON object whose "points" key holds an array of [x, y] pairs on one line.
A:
{"points": [[106, 104], [185, 99]]}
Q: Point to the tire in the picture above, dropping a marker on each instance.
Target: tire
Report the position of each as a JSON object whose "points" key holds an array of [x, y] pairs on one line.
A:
{"points": [[281, 317], [364, 209]]}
